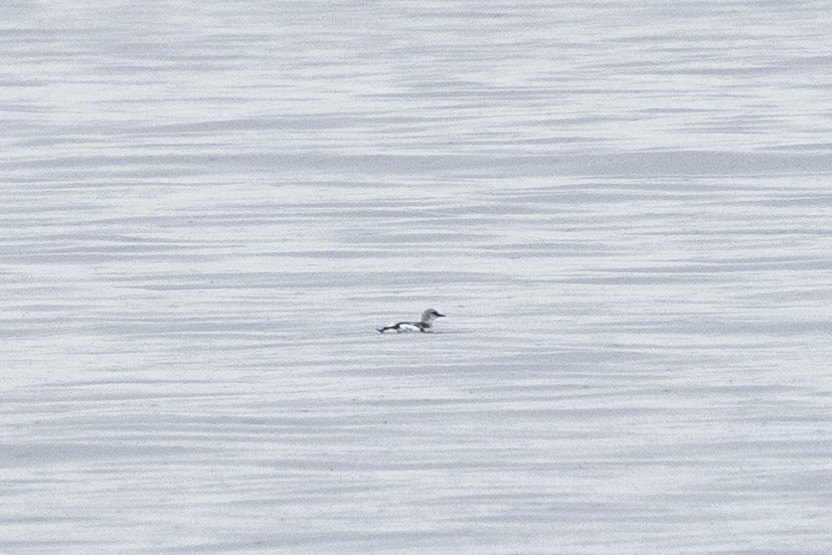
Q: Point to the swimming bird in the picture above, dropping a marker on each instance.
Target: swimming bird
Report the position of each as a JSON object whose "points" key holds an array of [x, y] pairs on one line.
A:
{"points": [[425, 326]]}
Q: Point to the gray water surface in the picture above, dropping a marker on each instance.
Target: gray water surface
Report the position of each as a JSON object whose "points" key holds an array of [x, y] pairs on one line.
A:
{"points": [[623, 208]]}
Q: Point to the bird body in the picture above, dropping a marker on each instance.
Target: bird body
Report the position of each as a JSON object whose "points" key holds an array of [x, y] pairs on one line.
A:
{"points": [[424, 326]]}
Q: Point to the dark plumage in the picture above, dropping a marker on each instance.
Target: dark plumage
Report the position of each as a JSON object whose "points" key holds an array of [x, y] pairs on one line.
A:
{"points": [[425, 326]]}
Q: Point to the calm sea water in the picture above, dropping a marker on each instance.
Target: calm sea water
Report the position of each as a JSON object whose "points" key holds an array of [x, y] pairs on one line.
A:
{"points": [[624, 209]]}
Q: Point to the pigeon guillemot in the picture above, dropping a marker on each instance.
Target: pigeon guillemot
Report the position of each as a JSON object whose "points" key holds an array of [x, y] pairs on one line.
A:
{"points": [[425, 326]]}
